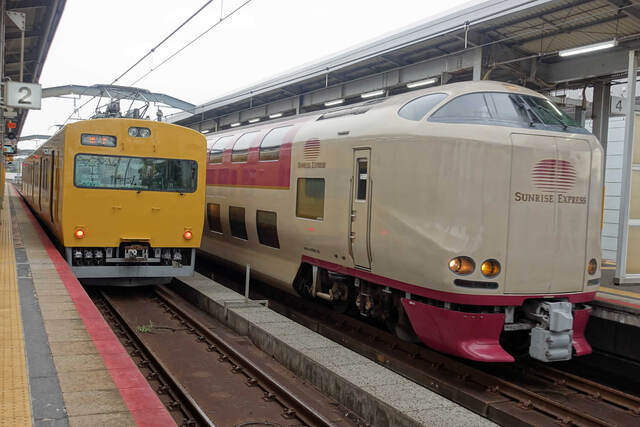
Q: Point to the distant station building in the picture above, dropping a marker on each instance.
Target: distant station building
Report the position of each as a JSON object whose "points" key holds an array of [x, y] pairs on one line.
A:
{"points": [[582, 47]]}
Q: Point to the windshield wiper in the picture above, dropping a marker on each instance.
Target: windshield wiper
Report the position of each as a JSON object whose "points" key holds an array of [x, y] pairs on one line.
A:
{"points": [[526, 108], [562, 123]]}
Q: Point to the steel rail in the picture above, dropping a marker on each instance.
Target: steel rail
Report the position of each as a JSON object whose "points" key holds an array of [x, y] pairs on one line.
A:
{"points": [[451, 378], [279, 392], [591, 388], [427, 363], [183, 395]]}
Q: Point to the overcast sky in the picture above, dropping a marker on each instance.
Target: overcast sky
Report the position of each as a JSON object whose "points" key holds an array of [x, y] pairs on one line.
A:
{"points": [[98, 40]]}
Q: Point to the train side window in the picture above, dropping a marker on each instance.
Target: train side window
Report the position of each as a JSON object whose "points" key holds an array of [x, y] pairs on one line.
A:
{"points": [[240, 152], [310, 198], [267, 225], [469, 108], [362, 180], [217, 150], [237, 222], [270, 146], [213, 217], [417, 108]]}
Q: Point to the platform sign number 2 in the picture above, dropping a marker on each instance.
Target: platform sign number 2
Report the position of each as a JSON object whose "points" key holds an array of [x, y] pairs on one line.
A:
{"points": [[23, 95]]}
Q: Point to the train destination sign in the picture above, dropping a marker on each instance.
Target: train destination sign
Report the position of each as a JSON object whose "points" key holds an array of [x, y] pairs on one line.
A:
{"points": [[23, 95]]}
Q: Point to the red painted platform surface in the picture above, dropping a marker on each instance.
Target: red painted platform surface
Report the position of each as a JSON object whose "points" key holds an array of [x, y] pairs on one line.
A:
{"points": [[144, 405]]}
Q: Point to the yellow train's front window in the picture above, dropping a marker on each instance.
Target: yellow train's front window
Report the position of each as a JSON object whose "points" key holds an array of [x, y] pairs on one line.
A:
{"points": [[135, 173]]}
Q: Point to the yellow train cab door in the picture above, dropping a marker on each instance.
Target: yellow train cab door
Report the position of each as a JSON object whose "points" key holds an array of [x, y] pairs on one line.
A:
{"points": [[359, 228]]}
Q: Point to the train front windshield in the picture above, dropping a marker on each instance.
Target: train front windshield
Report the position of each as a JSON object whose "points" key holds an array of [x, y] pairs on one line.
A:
{"points": [[135, 173]]}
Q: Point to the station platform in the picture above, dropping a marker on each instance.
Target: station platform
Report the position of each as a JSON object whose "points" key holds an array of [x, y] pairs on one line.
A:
{"points": [[60, 363], [617, 303]]}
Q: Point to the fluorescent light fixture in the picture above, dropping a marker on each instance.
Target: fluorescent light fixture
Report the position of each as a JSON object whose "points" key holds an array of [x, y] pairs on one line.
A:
{"points": [[235, 124], [334, 102], [421, 83], [205, 131], [257, 119], [372, 94], [275, 116], [588, 48]]}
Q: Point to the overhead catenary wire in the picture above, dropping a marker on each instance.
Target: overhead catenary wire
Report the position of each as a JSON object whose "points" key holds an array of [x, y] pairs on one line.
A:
{"points": [[153, 49], [193, 15], [525, 32], [222, 19]]}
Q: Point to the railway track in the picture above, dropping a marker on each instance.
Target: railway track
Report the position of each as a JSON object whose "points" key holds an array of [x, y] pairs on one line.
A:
{"points": [[203, 372], [520, 394]]}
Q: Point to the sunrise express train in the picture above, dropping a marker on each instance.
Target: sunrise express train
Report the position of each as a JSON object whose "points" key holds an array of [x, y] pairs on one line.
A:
{"points": [[123, 197], [468, 214]]}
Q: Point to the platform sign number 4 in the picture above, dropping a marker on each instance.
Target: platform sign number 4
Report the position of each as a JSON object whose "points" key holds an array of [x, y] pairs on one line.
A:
{"points": [[24, 95]]}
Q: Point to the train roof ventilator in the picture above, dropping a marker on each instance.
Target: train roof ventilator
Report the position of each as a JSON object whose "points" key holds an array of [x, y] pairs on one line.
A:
{"points": [[551, 339]]}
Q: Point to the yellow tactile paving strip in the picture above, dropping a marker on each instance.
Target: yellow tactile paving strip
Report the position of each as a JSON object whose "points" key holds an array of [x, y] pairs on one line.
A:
{"points": [[90, 396], [15, 409], [634, 295]]}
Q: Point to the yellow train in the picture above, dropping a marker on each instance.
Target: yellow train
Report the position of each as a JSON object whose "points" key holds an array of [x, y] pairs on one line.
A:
{"points": [[123, 197]]}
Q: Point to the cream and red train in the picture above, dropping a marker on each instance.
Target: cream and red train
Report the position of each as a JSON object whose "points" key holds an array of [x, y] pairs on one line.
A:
{"points": [[467, 213]]}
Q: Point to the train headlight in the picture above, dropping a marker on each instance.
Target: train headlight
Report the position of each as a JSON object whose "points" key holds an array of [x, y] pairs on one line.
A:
{"points": [[592, 267], [139, 132], [79, 233], [490, 268], [188, 235], [462, 265]]}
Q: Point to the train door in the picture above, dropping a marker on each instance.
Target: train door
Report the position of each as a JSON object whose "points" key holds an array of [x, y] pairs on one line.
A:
{"points": [[52, 186], [360, 208], [44, 187], [37, 184]]}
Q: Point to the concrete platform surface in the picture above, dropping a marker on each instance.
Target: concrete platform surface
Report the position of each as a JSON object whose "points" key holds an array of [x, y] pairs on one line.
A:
{"points": [[73, 369], [379, 395], [616, 303]]}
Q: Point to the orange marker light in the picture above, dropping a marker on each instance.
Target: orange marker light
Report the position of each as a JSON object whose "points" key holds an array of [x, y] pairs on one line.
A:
{"points": [[188, 235], [79, 233]]}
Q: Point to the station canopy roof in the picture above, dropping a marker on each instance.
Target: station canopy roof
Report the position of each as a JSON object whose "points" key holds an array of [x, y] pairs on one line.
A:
{"points": [[518, 41], [42, 18]]}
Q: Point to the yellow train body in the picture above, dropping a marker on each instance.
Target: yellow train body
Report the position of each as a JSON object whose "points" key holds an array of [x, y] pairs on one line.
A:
{"points": [[97, 197]]}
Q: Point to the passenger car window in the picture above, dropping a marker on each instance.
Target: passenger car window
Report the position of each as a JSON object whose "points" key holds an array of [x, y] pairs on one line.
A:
{"points": [[310, 198], [237, 222], [267, 228], [361, 190], [240, 152], [270, 146], [470, 108], [215, 155], [416, 109], [213, 217]]}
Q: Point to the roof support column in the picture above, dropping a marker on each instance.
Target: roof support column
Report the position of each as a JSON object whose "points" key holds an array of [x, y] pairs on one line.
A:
{"points": [[477, 64], [625, 224], [2, 43], [601, 110]]}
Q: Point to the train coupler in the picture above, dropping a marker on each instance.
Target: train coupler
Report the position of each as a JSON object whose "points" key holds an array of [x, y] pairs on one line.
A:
{"points": [[551, 338]]}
